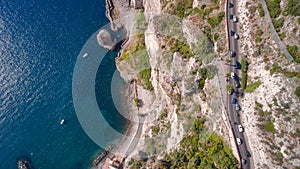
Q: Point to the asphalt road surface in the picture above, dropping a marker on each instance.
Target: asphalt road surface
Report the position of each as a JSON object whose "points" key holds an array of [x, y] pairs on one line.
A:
{"points": [[234, 115]]}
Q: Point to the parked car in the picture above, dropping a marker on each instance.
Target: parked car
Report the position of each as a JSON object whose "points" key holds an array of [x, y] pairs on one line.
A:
{"points": [[248, 154], [231, 32], [236, 36], [235, 19], [230, 5], [232, 53], [237, 84], [237, 107], [240, 127], [237, 114], [237, 65], [239, 141], [230, 91], [230, 16], [233, 100], [244, 162], [232, 75]]}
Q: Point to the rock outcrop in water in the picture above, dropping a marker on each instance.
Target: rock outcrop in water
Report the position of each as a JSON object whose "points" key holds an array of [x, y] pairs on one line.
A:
{"points": [[23, 164], [105, 39]]}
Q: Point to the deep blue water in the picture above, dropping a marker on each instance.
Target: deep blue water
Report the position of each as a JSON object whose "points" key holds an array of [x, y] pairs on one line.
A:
{"points": [[39, 44]]}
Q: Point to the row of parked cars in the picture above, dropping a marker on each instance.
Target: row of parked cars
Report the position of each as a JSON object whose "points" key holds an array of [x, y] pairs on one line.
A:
{"points": [[233, 76]]}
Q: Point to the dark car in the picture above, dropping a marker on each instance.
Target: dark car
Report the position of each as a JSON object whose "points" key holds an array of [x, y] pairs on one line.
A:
{"points": [[232, 54], [230, 16], [231, 32], [248, 154], [237, 84], [233, 100], [237, 65], [230, 5]]}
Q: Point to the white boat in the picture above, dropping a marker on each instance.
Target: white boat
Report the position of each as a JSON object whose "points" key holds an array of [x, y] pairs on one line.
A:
{"points": [[85, 55], [62, 121]]}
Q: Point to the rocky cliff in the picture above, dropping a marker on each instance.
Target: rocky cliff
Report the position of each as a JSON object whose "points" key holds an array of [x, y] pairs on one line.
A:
{"points": [[168, 63]]}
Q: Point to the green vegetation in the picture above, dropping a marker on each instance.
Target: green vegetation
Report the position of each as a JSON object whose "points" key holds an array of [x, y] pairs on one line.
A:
{"points": [[274, 8], [297, 132], [227, 74], [204, 49], [229, 88], [204, 11], [137, 102], [298, 20], [252, 9], [207, 72], [277, 69], [216, 36], [282, 35], [183, 8], [137, 164], [215, 21], [259, 32], [258, 39], [144, 78], [244, 64], [180, 47], [293, 50], [297, 91], [261, 10], [140, 19], [250, 88], [201, 149], [269, 126], [155, 129], [203, 76], [211, 71], [278, 156], [163, 115], [201, 84], [136, 54], [292, 8], [278, 23]]}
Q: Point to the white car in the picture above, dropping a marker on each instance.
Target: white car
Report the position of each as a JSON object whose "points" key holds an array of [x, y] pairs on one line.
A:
{"points": [[239, 141], [232, 75], [240, 128], [236, 36], [235, 19]]}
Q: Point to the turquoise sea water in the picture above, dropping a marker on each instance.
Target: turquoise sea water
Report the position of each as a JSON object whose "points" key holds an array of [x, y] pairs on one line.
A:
{"points": [[39, 44]]}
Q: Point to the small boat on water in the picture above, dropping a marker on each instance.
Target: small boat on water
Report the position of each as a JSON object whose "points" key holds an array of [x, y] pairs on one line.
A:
{"points": [[23, 164], [62, 121], [85, 55]]}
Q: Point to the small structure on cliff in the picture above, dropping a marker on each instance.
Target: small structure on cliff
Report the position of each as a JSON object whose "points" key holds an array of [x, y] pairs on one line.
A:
{"points": [[138, 4]]}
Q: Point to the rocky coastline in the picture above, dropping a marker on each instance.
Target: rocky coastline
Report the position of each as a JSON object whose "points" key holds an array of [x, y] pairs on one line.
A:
{"points": [[173, 87]]}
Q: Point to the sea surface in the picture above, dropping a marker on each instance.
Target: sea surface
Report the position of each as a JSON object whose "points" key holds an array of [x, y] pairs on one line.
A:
{"points": [[40, 41]]}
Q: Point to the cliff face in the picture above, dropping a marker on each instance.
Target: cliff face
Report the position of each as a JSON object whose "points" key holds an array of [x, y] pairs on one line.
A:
{"points": [[176, 57], [168, 62]]}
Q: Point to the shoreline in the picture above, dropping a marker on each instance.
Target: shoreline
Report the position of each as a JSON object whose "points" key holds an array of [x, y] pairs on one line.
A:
{"points": [[132, 124]]}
